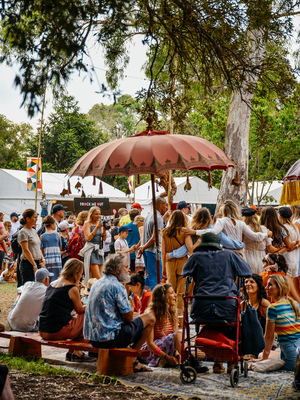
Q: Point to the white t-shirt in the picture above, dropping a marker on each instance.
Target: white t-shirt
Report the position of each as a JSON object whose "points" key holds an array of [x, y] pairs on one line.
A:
{"points": [[121, 244], [25, 311], [14, 227]]}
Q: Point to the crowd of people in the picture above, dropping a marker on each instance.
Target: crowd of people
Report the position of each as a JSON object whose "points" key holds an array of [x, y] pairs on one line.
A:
{"points": [[120, 301]]}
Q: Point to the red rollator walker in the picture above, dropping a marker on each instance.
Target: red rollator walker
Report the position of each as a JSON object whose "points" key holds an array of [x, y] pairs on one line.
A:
{"points": [[210, 341]]}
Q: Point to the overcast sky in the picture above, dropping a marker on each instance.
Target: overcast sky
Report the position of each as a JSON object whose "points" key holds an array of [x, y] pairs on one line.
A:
{"points": [[80, 88]]}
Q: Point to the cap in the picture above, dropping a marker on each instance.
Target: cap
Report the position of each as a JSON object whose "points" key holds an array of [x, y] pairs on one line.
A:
{"points": [[181, 205], [64, 225], [13, 214], [285, 212], [209, 239], [124, 228], [137, 205], [58, 207], [248, 211], [41, 274]]}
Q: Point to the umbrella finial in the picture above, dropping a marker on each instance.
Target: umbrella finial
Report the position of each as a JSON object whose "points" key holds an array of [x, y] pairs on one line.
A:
{"points": [[149, 121]]}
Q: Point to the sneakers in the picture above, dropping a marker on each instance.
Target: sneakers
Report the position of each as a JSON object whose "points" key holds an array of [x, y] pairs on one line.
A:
{"points": [[82, 358]]}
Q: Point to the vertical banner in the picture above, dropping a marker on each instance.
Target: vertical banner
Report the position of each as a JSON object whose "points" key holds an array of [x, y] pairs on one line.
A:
{"points": [[33, 174], [131, 183]]}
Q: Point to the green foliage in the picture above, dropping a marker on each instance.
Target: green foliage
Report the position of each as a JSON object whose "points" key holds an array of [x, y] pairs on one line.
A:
{"points": [[13, 143], [119, 119], [67, 135]]}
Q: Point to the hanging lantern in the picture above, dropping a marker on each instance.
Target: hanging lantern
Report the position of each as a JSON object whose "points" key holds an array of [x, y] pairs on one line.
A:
{"points": [[187, 186], [100, 188]]}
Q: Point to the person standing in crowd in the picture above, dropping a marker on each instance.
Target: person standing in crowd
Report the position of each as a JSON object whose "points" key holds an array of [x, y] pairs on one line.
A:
{"points": [[185, 208], [24, 314], [114, 235], [64, 228], [57, 318], [122, 212], [92, 252], [292, 243], [107, 241], [121, 245], [15, 223], [3, 235], [58, 213], [148, 249], [126, 218], [31, 257], [255, 251], [51, 247], [173, 238], [133, 238], [139, 262]]}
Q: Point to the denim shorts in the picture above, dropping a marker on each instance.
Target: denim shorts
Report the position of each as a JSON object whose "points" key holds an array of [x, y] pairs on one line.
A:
{"points": [[130, 332], [288, 354]]}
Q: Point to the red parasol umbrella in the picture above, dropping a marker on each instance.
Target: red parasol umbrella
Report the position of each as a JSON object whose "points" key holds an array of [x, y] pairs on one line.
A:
{"points": [[151, 152]]}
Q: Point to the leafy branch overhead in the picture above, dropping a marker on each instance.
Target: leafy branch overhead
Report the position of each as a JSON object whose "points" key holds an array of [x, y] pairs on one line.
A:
{"points": [[50, 39]]}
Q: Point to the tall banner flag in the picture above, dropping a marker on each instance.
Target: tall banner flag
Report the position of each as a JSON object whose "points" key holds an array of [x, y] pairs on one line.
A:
{"points": [[34, 174], [131, 183]]}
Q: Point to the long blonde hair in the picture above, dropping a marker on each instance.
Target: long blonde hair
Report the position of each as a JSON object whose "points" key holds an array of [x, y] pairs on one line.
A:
{"points": [[92, 210], [160, 306], [81, 217], [252, 221], [71, 267], [296, 210], [230, 209], [284, 287]]}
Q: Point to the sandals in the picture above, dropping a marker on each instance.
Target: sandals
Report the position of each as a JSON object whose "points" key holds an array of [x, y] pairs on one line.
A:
{"points": [[139, 367], [218, 368]]}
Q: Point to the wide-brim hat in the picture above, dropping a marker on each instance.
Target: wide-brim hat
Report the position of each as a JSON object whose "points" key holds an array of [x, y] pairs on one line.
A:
{"points": [[209, 239]]}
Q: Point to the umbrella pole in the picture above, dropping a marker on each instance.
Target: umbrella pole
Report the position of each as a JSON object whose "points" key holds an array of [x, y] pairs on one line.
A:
{"points": [[156, 230]]}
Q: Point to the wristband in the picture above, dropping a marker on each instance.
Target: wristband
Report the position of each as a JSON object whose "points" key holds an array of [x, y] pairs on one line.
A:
{"points": [[267, 352], [199, 240], [156, 351]]}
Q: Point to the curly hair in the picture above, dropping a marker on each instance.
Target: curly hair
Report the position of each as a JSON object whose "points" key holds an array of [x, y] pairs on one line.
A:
{"points": [[113, 263], [261, 293], [159, 304], [201, 219]]}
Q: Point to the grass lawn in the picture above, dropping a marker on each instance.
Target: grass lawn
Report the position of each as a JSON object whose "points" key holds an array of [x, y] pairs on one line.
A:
{"points": [[8, 294]]}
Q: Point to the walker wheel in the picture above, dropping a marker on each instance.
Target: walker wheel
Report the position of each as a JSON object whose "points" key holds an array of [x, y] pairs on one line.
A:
{"points": [[234, 377], [188, 375], [245, 369]]}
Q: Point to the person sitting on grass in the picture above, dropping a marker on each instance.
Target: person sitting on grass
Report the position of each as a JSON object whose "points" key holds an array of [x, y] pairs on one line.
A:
{"points": [[109, 321]]}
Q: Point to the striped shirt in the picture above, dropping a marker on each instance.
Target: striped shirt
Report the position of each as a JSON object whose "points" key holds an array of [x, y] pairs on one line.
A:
{"points": [[286, 326], [163, 329]]}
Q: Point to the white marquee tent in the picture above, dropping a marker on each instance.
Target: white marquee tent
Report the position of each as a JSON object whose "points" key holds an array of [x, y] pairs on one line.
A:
{"points": [[14, 195]]}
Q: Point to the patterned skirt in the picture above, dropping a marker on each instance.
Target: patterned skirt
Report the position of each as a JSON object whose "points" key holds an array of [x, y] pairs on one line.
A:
{"points": [[167, 345]]}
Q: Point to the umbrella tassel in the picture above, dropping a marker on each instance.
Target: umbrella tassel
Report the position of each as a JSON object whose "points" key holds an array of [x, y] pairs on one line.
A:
{"points": [[209, 180], [83, 196], [69, 187], [138, 181], [94, 180], [100, 188], [236, 180], [187, 186]]}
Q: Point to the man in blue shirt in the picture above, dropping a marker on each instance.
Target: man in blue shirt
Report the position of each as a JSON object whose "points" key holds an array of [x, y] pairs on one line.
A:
{"points": [[133, 236], [109, 321]]}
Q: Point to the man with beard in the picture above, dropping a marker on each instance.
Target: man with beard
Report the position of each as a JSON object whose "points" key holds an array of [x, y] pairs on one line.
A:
{"points": [[108, 321]]}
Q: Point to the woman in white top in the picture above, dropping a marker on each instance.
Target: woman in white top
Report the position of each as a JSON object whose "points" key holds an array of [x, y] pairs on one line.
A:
{"points": [[231, 225], [255, 251], [292, 254]]}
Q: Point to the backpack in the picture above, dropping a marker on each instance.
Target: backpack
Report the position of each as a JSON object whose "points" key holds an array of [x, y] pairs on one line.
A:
{"points": [[15, 245], [75, 245], [42, 230]]}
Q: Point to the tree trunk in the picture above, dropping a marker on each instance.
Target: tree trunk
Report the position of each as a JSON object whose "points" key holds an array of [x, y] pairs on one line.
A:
{"points": [[237, 130]]}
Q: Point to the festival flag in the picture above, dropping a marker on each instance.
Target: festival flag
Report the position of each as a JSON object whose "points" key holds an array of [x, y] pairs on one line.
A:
{"points": [[131, 183], [33, 174]]}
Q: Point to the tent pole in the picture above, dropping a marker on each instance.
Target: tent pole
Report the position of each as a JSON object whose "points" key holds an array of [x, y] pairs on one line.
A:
{"points": [[156, 230]]}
